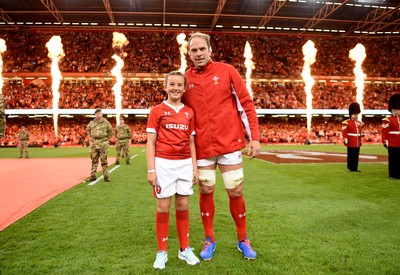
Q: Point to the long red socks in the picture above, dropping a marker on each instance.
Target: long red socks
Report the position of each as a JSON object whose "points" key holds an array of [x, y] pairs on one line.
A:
{"points": [[238, 212], [162, 226], [207, 210], [182, 226]]}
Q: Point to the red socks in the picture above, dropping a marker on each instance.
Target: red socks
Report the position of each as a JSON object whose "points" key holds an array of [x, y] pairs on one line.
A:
{"points": [[238, 212], [207, 210], [182, 226], [162, 226]]}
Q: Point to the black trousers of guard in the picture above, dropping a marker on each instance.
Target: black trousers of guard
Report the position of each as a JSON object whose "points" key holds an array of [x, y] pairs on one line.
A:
{"points": [[352, 158], [394, 162]]}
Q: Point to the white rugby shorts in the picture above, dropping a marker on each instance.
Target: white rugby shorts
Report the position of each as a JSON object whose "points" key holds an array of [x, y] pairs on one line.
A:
{"points": [[173, 177], [225, 159]]}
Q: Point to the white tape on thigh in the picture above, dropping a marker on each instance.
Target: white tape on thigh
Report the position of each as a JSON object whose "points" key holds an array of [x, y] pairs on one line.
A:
{"points": [[207, 177], [232, 178]]}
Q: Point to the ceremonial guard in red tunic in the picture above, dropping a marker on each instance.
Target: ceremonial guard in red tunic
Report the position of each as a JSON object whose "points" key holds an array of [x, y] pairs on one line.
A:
{"points": [[391, 136], [352, 137]]}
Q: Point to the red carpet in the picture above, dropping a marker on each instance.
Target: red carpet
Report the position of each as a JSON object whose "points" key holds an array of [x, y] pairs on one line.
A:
{"points": [[28, 183]]}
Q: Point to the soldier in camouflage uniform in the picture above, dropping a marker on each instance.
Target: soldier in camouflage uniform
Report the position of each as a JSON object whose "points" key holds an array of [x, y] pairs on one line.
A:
{"points": [[123, 135], [2, 117], [99, 131], [23, 137]]}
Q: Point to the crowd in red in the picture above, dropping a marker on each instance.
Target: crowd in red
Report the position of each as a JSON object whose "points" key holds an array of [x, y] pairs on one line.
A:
{"points": [[149, 52], [72, 131], [136, 95], [291, 96], [158, 52], [322, 130], [146, 94]]}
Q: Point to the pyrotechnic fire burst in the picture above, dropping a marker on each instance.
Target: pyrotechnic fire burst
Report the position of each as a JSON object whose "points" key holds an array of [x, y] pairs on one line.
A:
{"points": [[309, 52], [358, 55], [3, 48], [56, 52], [119, 41], [249, 64], [183, 45]]}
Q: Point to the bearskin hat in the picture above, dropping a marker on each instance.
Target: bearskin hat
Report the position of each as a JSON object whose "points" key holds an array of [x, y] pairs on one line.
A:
{"points": [[354, 108], [394, 102]]}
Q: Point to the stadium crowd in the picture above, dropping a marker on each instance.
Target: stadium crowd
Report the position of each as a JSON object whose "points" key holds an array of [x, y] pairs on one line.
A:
{"points": [[290, 96], [158, 52], [146, 94], [72, 131], [323, 130]]}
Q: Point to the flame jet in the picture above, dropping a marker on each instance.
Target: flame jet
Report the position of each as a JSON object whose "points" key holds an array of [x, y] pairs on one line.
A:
{"points": [[183, 47], [249, 64], [119, 41], [3, 48], [56, 52], [309, 52], [358, 54]]}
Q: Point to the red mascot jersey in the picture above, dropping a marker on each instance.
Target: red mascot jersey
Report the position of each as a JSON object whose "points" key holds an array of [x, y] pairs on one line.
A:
{"points": [[173, 129]]}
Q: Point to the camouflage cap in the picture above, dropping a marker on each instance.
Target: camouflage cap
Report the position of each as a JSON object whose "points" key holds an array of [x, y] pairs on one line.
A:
{"points": [[97, 110]]}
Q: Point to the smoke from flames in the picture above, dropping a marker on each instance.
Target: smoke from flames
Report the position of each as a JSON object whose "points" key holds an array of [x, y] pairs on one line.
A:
{"points": [[249, 64], [358, 55], [119, 41], [3, 48], [56, 52], [183, 47], [309, 52]]}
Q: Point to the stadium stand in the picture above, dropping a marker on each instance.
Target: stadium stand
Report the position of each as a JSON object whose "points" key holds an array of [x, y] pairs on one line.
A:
{"points": [[277, 84]]}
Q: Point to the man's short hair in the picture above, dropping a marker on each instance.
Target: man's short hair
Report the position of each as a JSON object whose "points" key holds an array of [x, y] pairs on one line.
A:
{"points": [[204, 36], [97, 110]]}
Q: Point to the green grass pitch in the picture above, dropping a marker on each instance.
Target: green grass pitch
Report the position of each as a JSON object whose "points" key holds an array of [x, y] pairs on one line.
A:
{"points": [[302, 219]]}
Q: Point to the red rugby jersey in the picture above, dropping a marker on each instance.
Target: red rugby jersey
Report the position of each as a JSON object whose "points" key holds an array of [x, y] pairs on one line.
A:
{"points": [[173, 128], [223, 109]]}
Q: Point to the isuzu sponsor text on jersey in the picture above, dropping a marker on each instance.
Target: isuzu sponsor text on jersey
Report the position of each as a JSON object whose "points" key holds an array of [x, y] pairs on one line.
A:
{"points": [[176, 126]]}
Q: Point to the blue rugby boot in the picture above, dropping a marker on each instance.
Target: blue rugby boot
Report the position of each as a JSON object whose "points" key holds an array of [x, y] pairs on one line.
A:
{"points": [[208, 250], [246, 249]]}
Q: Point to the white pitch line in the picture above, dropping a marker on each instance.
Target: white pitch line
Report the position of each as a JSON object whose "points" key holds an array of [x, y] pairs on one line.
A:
{"points": [[101, 177], [134, 156]]}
